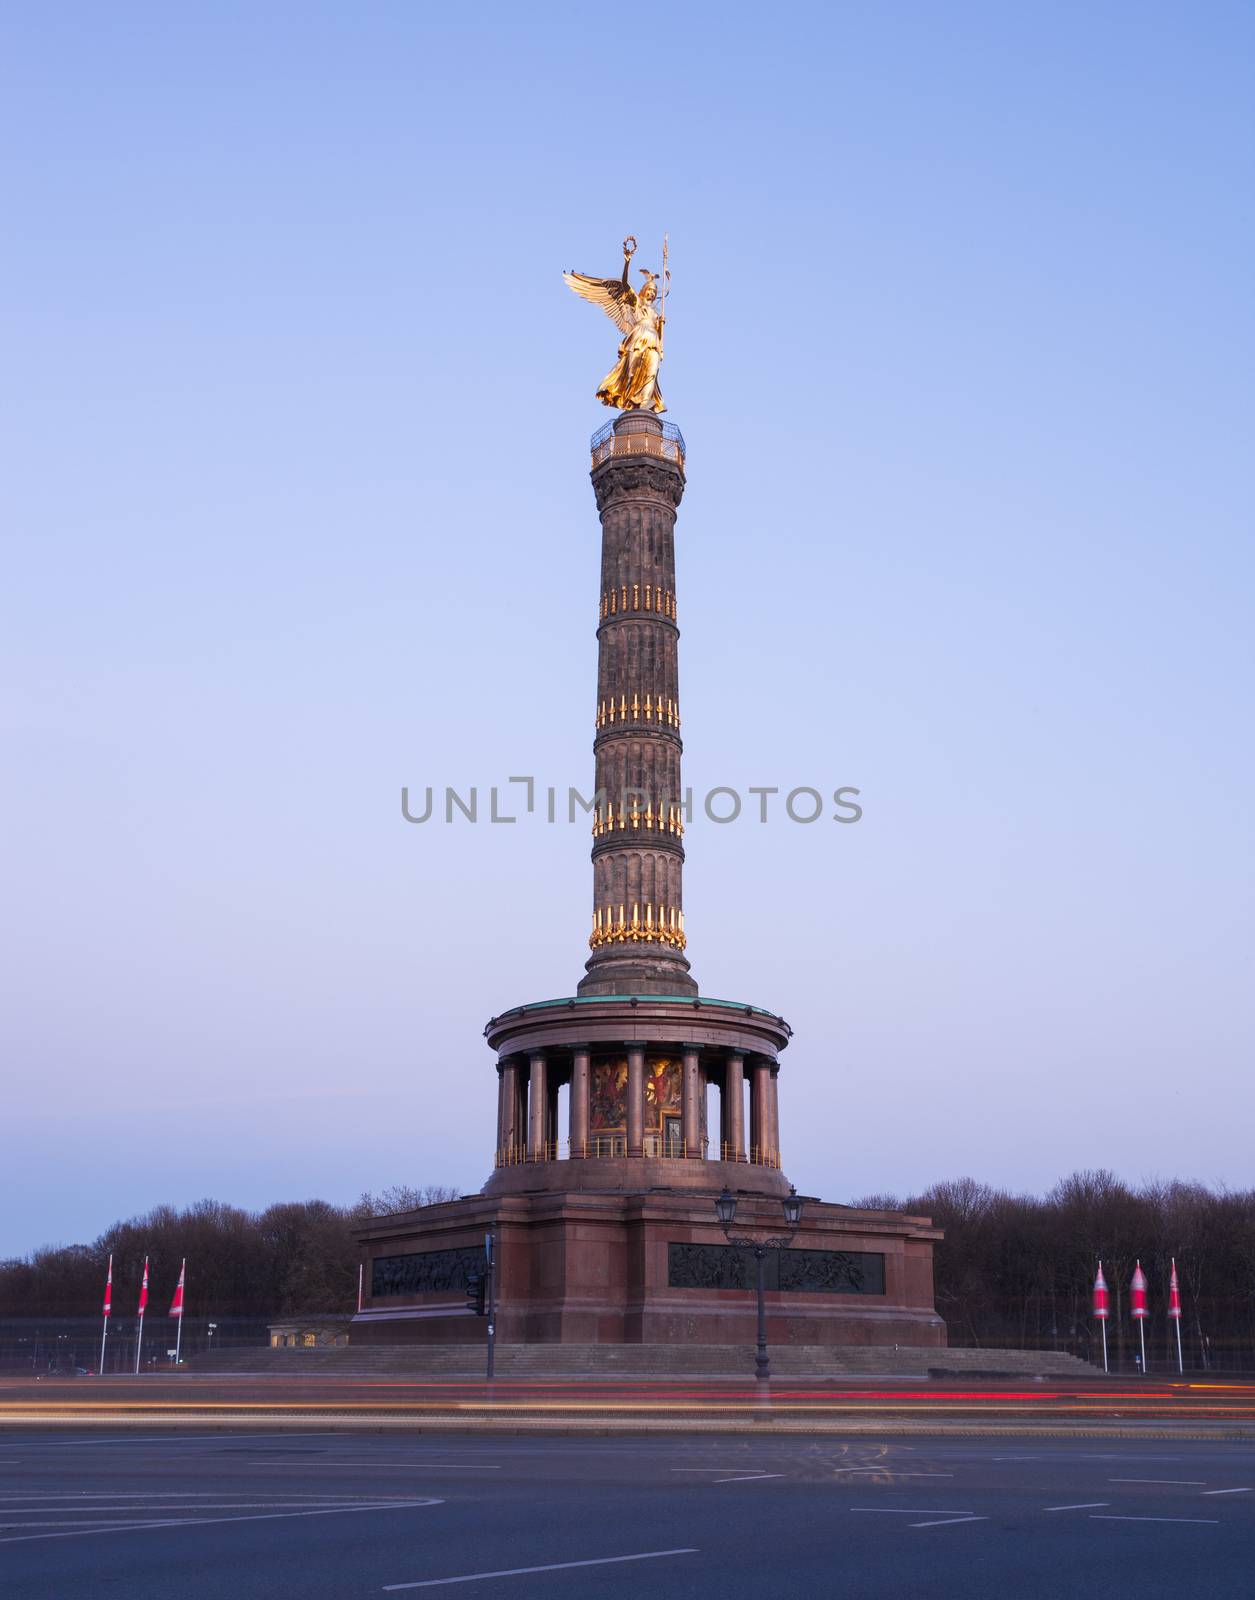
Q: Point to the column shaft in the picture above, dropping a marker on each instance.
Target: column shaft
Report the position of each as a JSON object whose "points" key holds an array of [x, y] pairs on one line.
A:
{"points": [[579, 1104], [691, 1126], [773, 1114], [508, 1107], [636, 1099], [537, 1108], [760, 1116], [734, 1108]]}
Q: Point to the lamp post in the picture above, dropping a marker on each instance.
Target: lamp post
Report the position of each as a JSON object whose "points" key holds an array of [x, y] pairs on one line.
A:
{"points": [[725, 1210]]}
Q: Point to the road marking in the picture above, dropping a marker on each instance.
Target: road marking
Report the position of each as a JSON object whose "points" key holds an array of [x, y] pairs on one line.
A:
{"points": [[752, 1477], [203, 1522], [159, 1439], [1206, 1492], [390, 1465], [556, 1566], [892, 1472], [1086, 1505], [155, 1506], [713, 1469], [945, 1522], [1212, 1522], [927, 1511], [1017, 1458], [1185, 1483]]}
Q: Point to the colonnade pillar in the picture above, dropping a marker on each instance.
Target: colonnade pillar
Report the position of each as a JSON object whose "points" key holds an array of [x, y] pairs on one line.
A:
{"points": [[760, 1108], [579, 1101], [693, 1084], [733, 1108], [509, 1122], [635, 1099], [773, 1113], [537, 1107]]}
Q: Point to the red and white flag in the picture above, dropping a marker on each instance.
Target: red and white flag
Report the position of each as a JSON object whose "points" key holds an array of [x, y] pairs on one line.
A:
{"points": [[1100, 1296], [1174, 1292], [1137, 1293], [109, 1290], [143, 1289], [176, 1305]]}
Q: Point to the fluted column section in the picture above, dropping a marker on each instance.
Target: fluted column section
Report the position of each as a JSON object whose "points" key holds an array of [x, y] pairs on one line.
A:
{"points": [[760, 1112], [733, 1108], [635, 1099], [691, 1103], [538, 1107], [508, 1128], [638, 936], [579, 1101]]}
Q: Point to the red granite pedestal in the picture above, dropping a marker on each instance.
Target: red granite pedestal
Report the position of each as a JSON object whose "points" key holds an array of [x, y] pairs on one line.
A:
{"points": [[600, 1267]]}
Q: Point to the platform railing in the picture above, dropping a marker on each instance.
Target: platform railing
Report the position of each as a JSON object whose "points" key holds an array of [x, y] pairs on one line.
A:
{"points": [[613, 1146], [633, 436]]}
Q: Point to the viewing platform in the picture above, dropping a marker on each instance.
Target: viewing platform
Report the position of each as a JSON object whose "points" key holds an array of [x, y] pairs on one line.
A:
{"points": [[638, 433]]}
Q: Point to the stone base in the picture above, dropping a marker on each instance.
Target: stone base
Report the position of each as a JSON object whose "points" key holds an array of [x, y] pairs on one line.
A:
{"points": [[584, 1267]]}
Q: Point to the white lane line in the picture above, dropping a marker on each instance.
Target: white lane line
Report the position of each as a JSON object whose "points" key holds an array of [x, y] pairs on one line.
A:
{"points": [[1206, 1492], [1085, 1505], [338, 1502], [1186, 1483], [891, 1472], [945, 1522], [80, 1496], [204, 1522], [162, 1440], [1017, 1458], [390, 1465], [927, 1511], [714, 1469], [750, 1477], [556, 1566], [1212, 1522]]}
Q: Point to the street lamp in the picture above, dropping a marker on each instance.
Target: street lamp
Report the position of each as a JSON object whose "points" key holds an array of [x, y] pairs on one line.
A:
{"points": [[213, 1328], [725, 1210]]}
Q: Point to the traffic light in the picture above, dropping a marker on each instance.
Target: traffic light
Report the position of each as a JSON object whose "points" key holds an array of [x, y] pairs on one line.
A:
{"points": [[476, 1291]]}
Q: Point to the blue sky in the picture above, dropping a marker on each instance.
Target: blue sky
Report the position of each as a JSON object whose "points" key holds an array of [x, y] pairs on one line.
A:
{"points": [[295, 511]]}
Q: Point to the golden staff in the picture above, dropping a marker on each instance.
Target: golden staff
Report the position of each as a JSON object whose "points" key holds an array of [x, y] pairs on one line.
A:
{"points": [[666, 279]]}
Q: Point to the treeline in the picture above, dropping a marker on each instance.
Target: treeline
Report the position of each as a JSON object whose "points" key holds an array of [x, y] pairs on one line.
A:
{"points": [[294, 1257], [1015, 1271]]}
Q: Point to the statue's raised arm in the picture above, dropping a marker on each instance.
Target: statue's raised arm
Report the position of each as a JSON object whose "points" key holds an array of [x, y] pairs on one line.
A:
{"points": [[632, 385]]}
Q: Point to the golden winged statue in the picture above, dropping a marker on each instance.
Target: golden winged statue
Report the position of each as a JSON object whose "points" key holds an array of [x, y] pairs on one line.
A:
{"points": [[632, 384]]}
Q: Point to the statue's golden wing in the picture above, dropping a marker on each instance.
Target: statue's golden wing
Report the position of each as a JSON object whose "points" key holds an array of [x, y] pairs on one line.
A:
{"points": [[614, 297]]}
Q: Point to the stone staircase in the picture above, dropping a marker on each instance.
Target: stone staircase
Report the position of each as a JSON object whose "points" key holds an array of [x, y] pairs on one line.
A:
{"points": [[658, 1361]]}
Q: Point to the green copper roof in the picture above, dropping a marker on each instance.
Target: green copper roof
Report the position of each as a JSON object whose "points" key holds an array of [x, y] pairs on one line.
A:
{"points": [[650, 999]]}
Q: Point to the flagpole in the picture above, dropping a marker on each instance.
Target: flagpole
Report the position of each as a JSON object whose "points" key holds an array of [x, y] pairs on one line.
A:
{"points": [[176, 1309], [104, 1332], [1174, 1312], [143, 1302], [178, 1337]]}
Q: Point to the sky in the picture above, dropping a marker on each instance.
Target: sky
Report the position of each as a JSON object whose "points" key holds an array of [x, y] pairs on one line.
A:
{"points": [[295, 511]]}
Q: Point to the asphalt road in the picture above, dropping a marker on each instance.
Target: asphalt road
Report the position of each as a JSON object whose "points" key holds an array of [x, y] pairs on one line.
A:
{"points": [[357, 1515]]}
